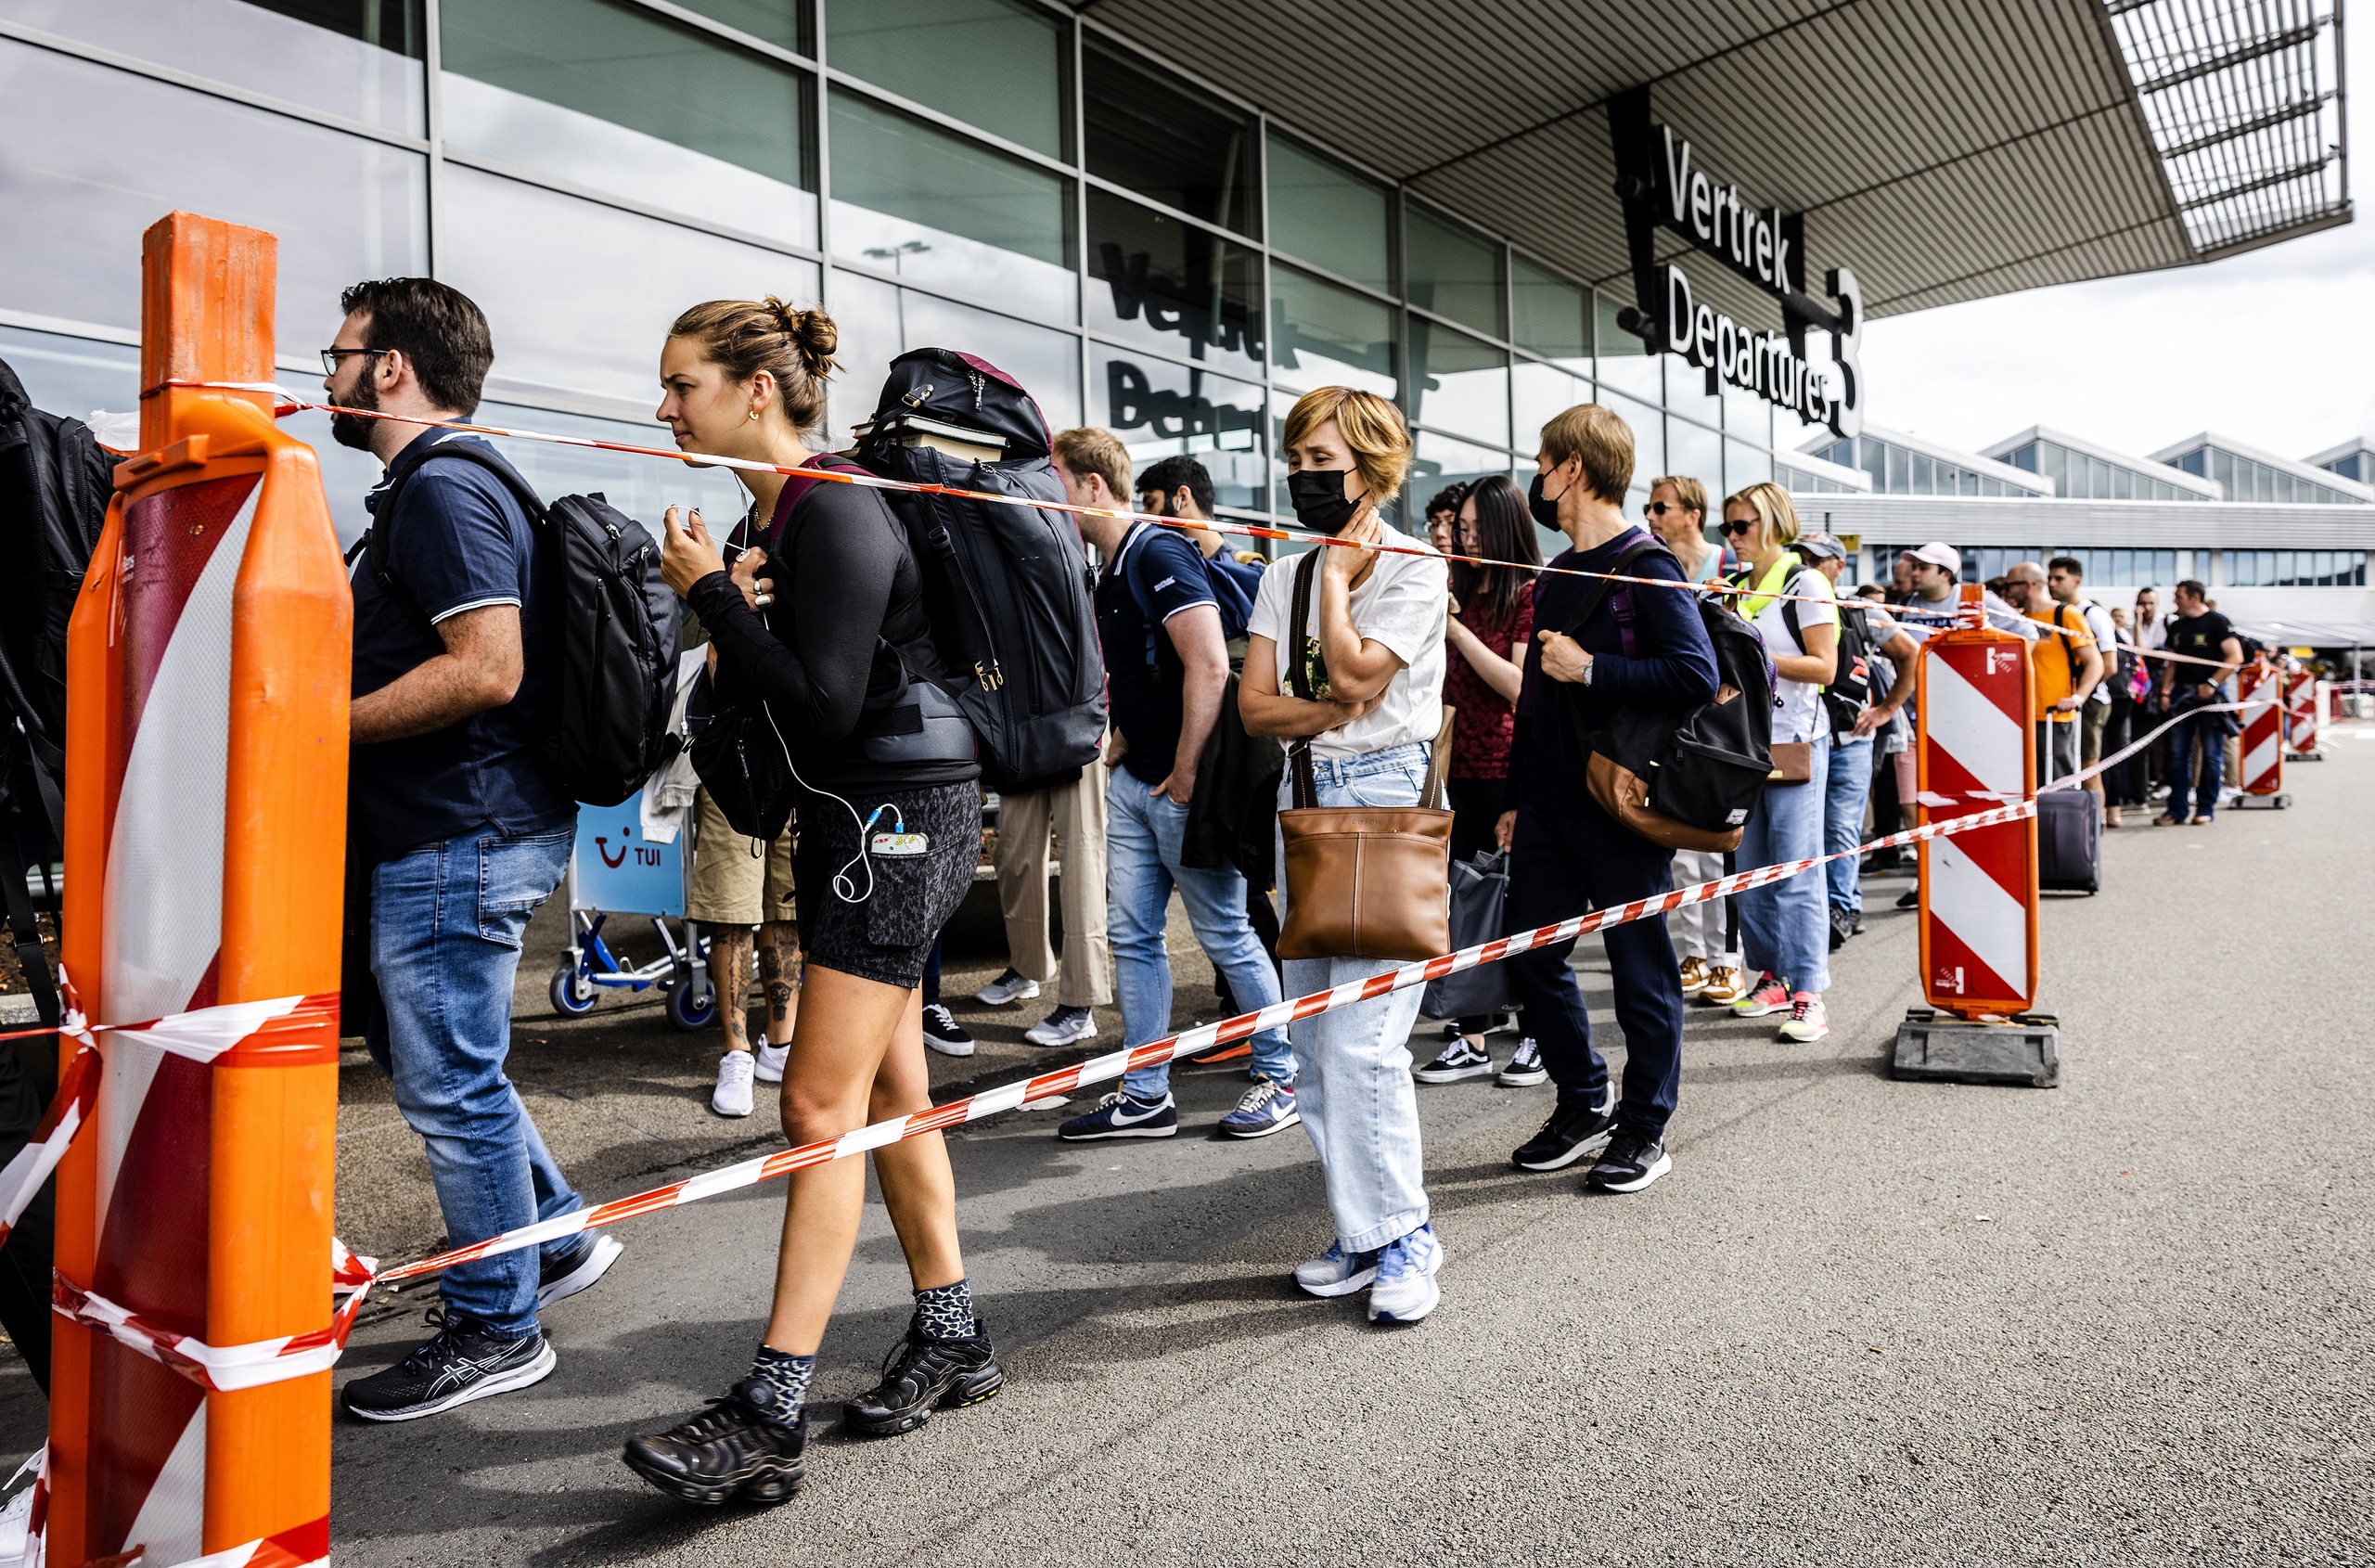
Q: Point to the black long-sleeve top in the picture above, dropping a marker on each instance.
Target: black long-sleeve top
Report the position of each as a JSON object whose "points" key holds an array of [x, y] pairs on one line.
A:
{"points": [[1671, 665], [846, 585]]}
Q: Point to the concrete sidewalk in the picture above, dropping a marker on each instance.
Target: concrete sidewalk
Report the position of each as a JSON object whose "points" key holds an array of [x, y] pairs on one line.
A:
{"points": [[1862, 1321]]}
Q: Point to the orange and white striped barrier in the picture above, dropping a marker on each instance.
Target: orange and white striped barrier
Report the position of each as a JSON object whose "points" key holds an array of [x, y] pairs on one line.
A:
{"points": [[2260, 688], [2304, 709], [1973, 696]]}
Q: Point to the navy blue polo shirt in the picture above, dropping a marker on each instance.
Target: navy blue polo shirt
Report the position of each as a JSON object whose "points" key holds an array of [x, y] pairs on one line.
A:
{"points": [[460, 540], [1165, 573]]}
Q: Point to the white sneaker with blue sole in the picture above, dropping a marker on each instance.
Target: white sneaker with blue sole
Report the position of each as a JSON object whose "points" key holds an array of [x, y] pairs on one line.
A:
{"points": [[1405, 1291], [1336, 1272]]}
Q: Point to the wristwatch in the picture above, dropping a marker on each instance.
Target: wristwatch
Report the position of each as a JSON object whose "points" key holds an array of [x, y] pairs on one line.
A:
{"points": [[1588, 661]]}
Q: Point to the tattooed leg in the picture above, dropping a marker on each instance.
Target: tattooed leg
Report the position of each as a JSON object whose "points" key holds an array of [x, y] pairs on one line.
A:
{"points": [[779, 976], [730, 973]]}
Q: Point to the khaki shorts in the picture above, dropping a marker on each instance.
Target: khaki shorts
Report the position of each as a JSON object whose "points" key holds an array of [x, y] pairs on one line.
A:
{"points": [[732, 886], [2093, 719]]}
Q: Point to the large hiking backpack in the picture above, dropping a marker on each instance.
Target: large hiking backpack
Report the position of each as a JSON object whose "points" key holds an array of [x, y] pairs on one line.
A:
{"points": [[55, 483], [1684, 779], [610, 632], [1006, 586]]}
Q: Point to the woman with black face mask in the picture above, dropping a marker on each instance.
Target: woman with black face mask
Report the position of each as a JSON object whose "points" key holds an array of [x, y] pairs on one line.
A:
{"points": [[1375, 652]]}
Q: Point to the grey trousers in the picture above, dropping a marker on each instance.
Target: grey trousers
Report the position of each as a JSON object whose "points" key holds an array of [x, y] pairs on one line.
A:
{"points": [[1075, 812]]}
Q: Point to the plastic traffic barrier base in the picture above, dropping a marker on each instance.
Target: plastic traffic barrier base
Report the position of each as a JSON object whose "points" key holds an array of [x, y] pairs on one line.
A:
{"points": [[2024, 1049], [2245, 801]]}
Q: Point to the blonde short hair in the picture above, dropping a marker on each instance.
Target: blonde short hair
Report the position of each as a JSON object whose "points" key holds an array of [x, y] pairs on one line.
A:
{"points": [[1600, 439], [1771, 504], [1088, 450], [1687, 490], [1373, 429]]}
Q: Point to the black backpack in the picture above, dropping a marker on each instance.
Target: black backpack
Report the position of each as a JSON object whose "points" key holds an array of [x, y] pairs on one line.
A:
{"points": [[609, 632], [1685, 778], [1850, 691], [1007, 587]]}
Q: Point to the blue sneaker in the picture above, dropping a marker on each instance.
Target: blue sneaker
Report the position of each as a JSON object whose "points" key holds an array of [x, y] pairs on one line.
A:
{"points": [[1336, 1272], [1118, 1115], [1405, 1291], [1266, 1108]]}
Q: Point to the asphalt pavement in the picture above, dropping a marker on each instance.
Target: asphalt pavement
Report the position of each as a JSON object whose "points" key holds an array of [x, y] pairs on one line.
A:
{"points": [[2124, 1321]]}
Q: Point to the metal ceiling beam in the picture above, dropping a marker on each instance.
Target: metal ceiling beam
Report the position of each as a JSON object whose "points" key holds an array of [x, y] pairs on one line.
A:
{"points": [[2283, 176], [2258, 48], [2266, 121]]}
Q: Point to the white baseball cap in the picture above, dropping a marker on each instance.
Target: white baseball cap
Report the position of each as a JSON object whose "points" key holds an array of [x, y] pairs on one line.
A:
{"points": [[1941, 554]]}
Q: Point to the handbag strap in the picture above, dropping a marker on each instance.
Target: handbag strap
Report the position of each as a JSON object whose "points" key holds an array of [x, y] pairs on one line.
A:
{"points": [[1299, 678]]}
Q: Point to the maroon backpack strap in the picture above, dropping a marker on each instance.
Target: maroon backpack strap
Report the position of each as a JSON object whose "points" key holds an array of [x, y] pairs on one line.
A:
{"points": [[797, 486]]}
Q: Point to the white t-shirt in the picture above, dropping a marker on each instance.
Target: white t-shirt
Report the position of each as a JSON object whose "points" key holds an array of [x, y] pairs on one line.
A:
{"points": [[2107, 640], [1798, 715], [1403, 605]]}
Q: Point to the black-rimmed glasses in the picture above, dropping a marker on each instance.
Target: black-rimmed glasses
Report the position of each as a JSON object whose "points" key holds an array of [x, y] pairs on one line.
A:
{"points": [[1733, 525], [331, 356]]}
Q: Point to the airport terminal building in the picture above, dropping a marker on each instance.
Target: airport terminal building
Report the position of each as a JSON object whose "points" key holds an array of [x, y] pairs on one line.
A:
{"points": [[1171, 218]]}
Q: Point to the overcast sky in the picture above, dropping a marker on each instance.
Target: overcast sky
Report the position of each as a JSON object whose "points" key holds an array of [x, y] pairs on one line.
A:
{"points": [[2276, 348]]}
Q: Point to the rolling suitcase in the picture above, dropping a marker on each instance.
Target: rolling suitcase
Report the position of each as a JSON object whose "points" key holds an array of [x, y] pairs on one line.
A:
{"points": [[2069, 839]]}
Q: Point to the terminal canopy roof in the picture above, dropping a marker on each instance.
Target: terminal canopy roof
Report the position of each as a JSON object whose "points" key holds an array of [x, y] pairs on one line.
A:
{"points": [[1944, 149]]}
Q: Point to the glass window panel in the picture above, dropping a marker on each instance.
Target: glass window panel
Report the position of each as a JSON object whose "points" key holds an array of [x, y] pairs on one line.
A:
{"points": [[1623, 363], [1990, 486], [2164, 566], [1326, 214], [1744, 412], [2099, 479], [2122, 484], [1321, 335], [1185, 290], [1439, 461], [1876, 463], [986, 62], [1900, 482], [1966, 483], [1454, 272], [643, 488], [2023, 456], [1687, 391], [1552, 316], [353, 58], [1745, 465], [2283, 484], [1541, 392], [2263, 482], [581, 295], [1458, 383], [93, 156], [878, 323], [1162, 138], [919, 202], [1925, 474], [2057, 468], [1693, 451], [616, 98], [1649, 441], [2285, 576], [1161, 409], [784, 23]]}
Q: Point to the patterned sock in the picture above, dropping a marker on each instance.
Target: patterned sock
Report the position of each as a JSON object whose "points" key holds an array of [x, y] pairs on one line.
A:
{"points": [[945, 1312], [790, 1375]]}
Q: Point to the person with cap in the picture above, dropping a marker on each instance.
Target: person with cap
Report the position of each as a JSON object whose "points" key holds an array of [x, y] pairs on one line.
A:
{"points": [[1859, 714]]}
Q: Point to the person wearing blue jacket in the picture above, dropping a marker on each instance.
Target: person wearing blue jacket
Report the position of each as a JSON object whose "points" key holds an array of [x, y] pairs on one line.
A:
{"points": [[1598, 646]]}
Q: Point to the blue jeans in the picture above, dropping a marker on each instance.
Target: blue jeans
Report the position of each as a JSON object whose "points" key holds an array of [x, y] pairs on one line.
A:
{"points": [[1355, 1088], [446, 926], [1846, 784], [1142, 838], [2187, 798], [1784, 928]]}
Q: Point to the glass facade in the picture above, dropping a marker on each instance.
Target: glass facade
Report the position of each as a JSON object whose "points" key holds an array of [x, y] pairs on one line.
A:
{"points": [[2079, 475], [1900, 470], [2246, 479], [2292, 568], [991, 175]]}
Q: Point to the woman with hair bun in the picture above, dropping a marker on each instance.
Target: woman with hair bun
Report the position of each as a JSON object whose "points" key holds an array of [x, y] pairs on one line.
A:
{"points": [[889, 814]]}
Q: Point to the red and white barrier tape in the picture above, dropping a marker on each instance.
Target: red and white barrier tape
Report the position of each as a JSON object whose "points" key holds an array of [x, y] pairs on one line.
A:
{"points": [[217, 1369], [2072, 781]]}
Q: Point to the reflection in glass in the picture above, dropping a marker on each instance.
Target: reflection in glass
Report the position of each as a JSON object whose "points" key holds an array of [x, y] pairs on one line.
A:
{"points": [[987, 62], [643, 488], [1165, 139], [781, 22], [1746, 415], [581, 295], [1550, 315], [1458, 383], [615, 98], [357, 59], [1538, 392], [93, 156], [1440, 461], [1161, 409], [1622, 362], [878, 323], [1185, 290], [1454, 272], [1745, 465], [1327, 215], [1696, 452], [1321, 335], [916, 201], [1648, 443]]}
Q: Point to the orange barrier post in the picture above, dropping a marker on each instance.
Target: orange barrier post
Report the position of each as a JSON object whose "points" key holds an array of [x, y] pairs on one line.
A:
{"points": [[206, 745], [1973, 695], [2304, 709], [2260, 686]]}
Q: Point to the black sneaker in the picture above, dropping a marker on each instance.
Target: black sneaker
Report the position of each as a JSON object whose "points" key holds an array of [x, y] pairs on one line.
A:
{"points": [[730, 1450], [1525, 1067], [1908, 898], [920, 1373], [1631, 1161], [943, 1034], [1459, 1059], [1841, 927], [559, 1278], [459, 1363], [1572, 1132]]}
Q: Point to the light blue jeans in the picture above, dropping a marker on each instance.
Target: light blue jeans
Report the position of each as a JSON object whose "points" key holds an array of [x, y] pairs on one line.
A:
{"points": [[1785, 927], [1142, 838], [446, 926], [1354, 1086], [1846, 785]]}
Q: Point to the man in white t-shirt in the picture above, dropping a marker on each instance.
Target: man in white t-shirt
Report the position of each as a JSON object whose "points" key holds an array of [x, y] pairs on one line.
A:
{"points": [[2064, 576]]}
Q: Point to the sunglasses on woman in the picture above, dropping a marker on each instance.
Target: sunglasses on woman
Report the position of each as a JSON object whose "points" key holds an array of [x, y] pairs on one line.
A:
{"points": [[1733, 525]]}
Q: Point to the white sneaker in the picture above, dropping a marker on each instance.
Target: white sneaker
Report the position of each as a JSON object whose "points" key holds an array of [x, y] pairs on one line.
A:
{"points": [[1405, 1291], [771, 1059], [1065, 1027], [732, 1096], [1007, 987], [1336, 1272]]}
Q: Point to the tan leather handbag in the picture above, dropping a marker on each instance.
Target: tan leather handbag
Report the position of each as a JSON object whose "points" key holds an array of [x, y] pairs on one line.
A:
{"points": [[1793, 763], [1362, 881]]}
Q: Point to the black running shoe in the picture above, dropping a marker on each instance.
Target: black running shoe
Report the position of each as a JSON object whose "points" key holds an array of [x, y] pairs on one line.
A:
{"points": [[1908, 898], [560, 1278], [730, 1450], [459, 1363], [920, 1373], [1573, 1132], [1843, 926], [1632, 1160]]}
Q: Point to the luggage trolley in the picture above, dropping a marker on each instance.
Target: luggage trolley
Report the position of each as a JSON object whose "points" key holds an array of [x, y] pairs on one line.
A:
{"points": [[614, 870]]}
